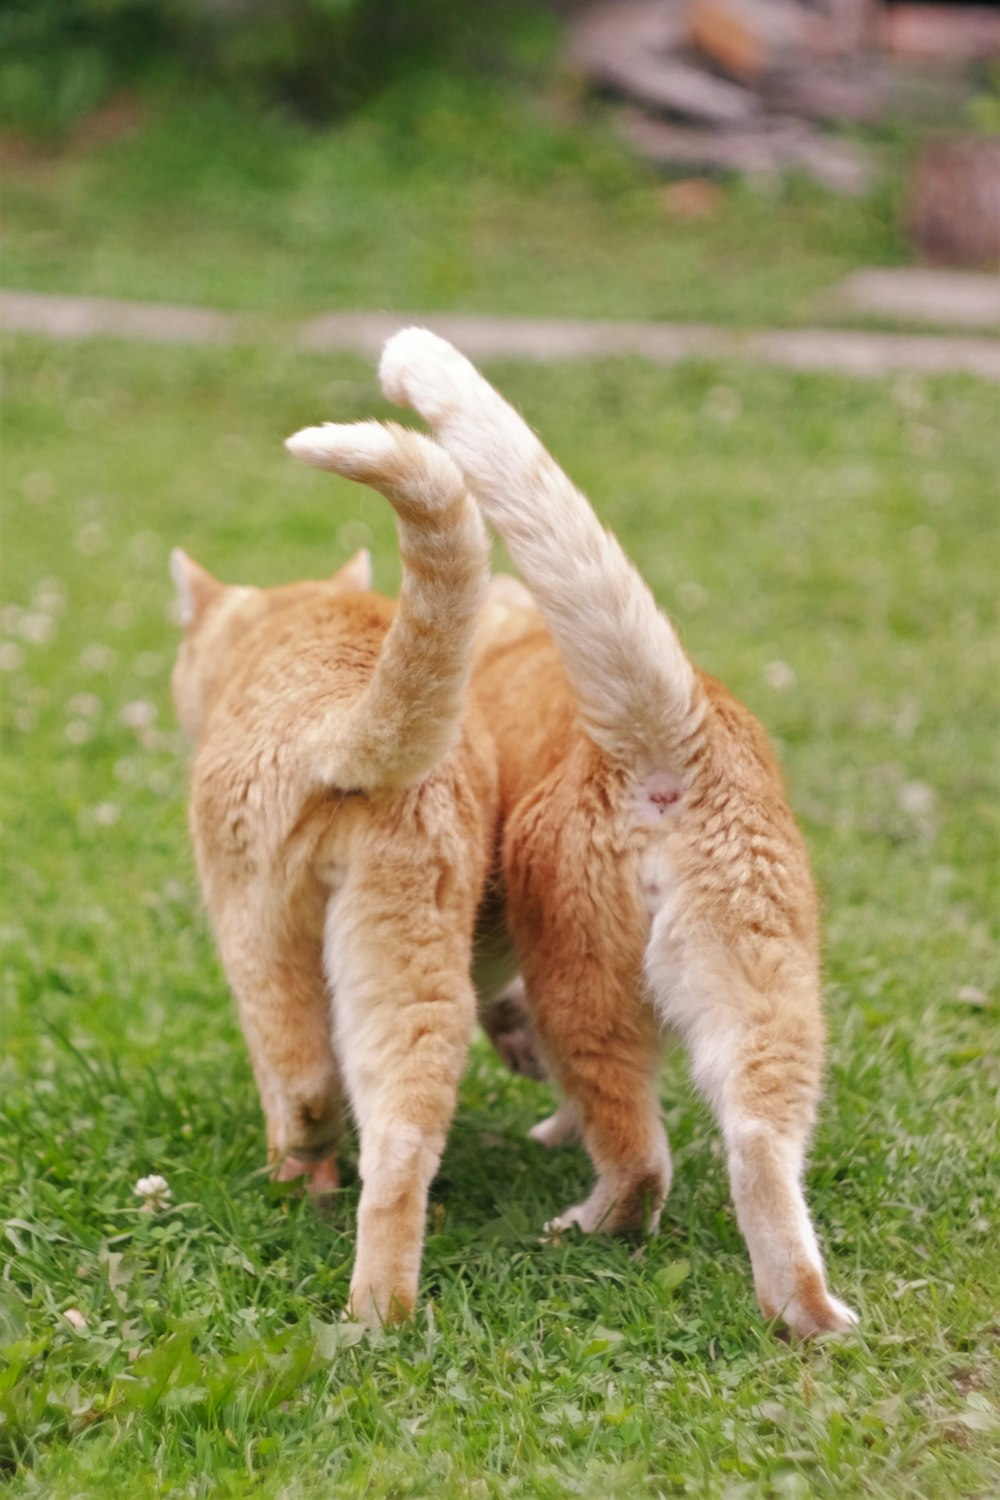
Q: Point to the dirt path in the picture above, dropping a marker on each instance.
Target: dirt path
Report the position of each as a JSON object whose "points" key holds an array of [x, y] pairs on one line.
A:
{"points": [[846, 351]]}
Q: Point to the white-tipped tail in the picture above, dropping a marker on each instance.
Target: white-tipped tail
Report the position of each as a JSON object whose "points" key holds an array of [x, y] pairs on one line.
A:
{"points": [[405, 720], [636, 691]]}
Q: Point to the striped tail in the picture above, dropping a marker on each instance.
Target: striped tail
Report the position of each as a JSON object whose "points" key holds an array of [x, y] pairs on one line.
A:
{"points": [[405, 720], [636, 691]]}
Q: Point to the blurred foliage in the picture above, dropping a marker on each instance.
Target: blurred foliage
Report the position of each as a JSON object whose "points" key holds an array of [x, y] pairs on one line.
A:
{"points": [[984, 108], [60, 58]]}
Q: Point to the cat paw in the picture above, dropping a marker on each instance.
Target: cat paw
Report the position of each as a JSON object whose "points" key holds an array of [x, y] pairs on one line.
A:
{"points": [[558, 1129], [518, 1052], [378, 1309], [806, 1320], [620, 1202], [579, 1217], [506, 1020], [321, 1177], [807, 1308]]}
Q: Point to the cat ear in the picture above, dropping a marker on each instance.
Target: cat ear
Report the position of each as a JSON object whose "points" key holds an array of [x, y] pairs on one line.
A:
{"points": [[196, 588], [355, 576]]}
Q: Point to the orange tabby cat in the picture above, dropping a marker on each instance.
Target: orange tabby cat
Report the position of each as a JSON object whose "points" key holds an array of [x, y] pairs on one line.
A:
{"points": [[343, 801], [655, 877]]}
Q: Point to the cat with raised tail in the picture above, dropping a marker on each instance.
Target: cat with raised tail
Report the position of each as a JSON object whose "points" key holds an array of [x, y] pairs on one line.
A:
{"points": [[343, 804], [655, 878]]}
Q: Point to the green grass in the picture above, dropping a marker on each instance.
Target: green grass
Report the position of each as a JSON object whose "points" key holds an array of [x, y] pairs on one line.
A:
{"points": [[844, 529], [445, 193]]}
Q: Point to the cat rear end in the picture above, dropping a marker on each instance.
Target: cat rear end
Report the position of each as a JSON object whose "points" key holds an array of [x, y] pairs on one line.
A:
{"points": [[342, 811], [654, 872]]}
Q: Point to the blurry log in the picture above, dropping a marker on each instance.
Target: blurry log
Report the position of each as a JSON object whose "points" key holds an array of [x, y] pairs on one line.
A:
{"points": [[766, 149], [941, 33], [677, 89], [855, 90], [633, 25], [852, 23], [625, 48], [751, 38], [953, 206]]}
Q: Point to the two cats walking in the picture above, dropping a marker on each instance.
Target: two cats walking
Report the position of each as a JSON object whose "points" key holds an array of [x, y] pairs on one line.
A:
{"points": [[372, 781]]}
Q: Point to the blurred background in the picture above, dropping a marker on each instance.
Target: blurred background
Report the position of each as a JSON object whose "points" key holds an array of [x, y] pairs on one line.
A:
{"points": [[695, 159]]}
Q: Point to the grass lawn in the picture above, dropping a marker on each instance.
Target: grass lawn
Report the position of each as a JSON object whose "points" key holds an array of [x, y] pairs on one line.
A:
{"points": [[828, 547], [444, 194]]}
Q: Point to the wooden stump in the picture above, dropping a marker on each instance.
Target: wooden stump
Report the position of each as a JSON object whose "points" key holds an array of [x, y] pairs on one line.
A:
{"points": [[953, 206]]}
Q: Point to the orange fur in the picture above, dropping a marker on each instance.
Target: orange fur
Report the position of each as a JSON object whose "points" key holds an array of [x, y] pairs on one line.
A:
{"points": [[655, 878], [343, 802]]}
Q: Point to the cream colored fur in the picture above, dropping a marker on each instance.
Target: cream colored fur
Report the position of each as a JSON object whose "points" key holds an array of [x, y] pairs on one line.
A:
{"points": [[655, 879], [343, 806]]}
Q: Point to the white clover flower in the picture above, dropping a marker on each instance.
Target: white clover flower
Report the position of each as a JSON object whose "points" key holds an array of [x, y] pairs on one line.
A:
{"points": [[98, 658], [38, 487], [917, 799], [779, 675], [692, 595], [11, 656], [723, 405], [121, 615], [49, 596], [74, 1317], [35, 628], [128, 769], [84, 705], [139, 714], [106, 813], [90, 539], [154, 1191], [146, 547]]}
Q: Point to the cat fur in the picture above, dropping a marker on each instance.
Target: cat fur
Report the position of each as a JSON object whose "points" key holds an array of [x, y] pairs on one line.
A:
{"points": [[655, 878], [343, 805]]}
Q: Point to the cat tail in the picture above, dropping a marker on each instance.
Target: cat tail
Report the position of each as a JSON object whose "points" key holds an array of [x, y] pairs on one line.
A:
{"points": [[405, 720], [637, 694]]}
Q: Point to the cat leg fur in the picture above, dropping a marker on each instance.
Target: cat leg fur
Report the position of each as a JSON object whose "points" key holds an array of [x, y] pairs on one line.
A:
{"points": [[506, 1021], [403, 1015], [757, 1058], [607, 1070], [702, 769], [580, 931], [561, 1128], [284, 1009]]}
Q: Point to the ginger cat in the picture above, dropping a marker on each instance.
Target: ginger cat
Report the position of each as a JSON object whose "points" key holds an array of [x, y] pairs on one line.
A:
{"points": [[655, 879], [343, 807]]}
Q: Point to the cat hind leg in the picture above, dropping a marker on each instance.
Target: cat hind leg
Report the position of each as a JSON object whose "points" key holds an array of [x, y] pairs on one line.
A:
{"points": [[284, 1009], [758, 1059], [561, 1128], [606, 1067], [506, 1020], [404, 1009]]}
